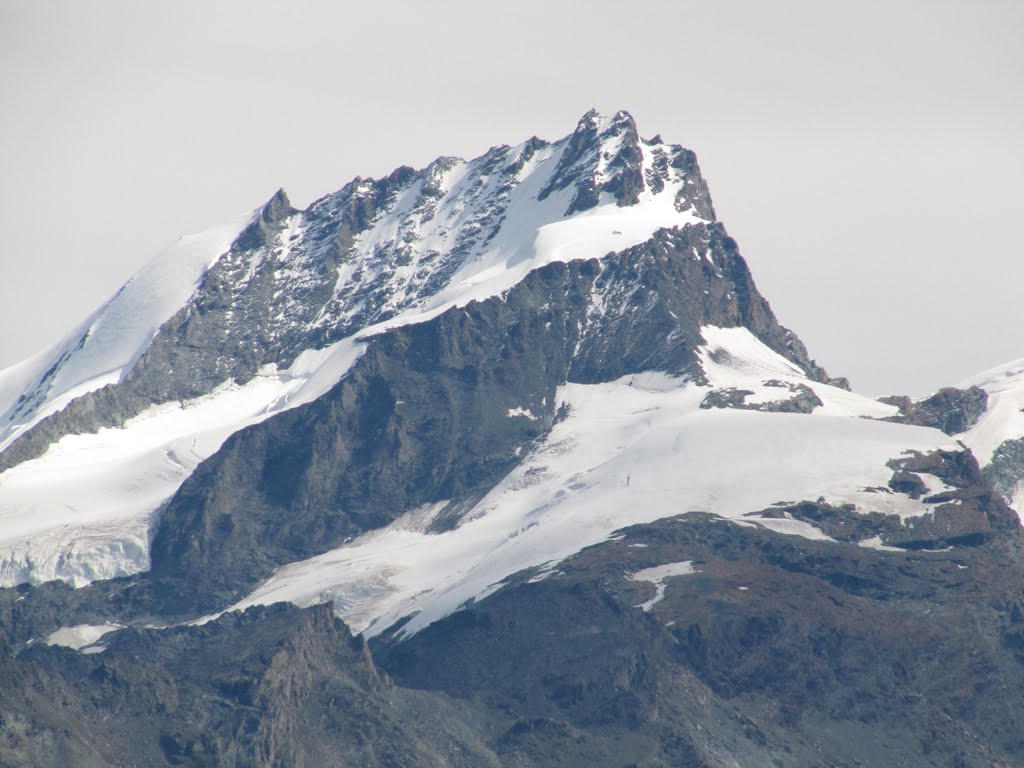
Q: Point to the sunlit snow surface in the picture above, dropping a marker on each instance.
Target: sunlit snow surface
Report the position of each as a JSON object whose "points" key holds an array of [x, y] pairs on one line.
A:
{"points": [[81, 636], [631, 451], [106, 345], [84, 510], [1003, 419]]}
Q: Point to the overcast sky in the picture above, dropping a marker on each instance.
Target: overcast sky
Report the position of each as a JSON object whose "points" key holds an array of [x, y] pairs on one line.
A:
{"points": [[867, 155]]}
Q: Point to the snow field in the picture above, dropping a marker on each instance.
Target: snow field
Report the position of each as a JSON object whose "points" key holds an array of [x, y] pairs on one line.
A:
{"points": [[631, 451]]}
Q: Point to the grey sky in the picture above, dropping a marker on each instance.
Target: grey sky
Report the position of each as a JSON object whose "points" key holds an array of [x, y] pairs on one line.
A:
{"points": [[866, 155]]}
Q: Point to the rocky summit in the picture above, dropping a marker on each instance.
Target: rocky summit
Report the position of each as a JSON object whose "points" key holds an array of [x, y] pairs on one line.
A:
{"points": [[499, 462]]}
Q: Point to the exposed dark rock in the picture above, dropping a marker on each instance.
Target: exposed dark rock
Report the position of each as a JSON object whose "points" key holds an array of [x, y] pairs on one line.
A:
{"points": [[839, 381], [727, 397], [970, 515], [1006, 469], [951, 410], [802, 399], [909, 483], [694, 194], [774, 641], [275, 686], [259, 233]]}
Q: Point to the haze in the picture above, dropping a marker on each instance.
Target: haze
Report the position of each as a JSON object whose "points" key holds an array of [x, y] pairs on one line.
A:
{"points": [[866, 155]]}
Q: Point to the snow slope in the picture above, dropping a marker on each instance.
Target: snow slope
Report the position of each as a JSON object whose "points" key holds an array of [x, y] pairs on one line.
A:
{"points": [[104, 347], [631, 451], [1004, 418]]}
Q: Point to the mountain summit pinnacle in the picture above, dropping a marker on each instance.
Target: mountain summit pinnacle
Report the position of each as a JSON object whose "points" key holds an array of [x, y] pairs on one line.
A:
{"points": [[270, 215], [602, 155]]}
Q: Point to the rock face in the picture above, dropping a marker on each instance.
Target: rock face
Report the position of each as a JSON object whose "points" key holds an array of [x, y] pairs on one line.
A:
{"points": [[793, 398], [951, 410], [422, 417], [1006, 469]]}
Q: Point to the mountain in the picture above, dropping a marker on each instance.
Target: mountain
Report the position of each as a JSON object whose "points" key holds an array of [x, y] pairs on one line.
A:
{"points": [[527, 426]]}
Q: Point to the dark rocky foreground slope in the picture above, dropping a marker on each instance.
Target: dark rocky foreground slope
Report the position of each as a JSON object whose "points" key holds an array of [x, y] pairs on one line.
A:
{"points": [[274, 686], [776, 651]]}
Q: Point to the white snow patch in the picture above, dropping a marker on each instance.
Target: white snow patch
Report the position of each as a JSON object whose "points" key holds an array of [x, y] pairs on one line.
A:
{"points": [[657, 576], [521, 412], [80, 636], [934, 484], [875, 542], [1004, 418]]}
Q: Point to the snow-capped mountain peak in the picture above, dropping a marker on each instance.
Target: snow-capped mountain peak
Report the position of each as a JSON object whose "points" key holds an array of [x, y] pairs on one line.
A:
{"points": [[275, 301]]}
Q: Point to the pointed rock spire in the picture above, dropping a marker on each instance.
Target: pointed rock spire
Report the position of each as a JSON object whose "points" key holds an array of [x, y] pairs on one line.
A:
{"points": [[602, 155], [274, 211]]}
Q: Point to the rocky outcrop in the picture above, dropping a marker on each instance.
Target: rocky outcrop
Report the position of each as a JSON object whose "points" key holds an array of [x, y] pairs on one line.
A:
{"points": [[951, 410], [793, 398], [275, 686], [969, 514], [1006, 469]]}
